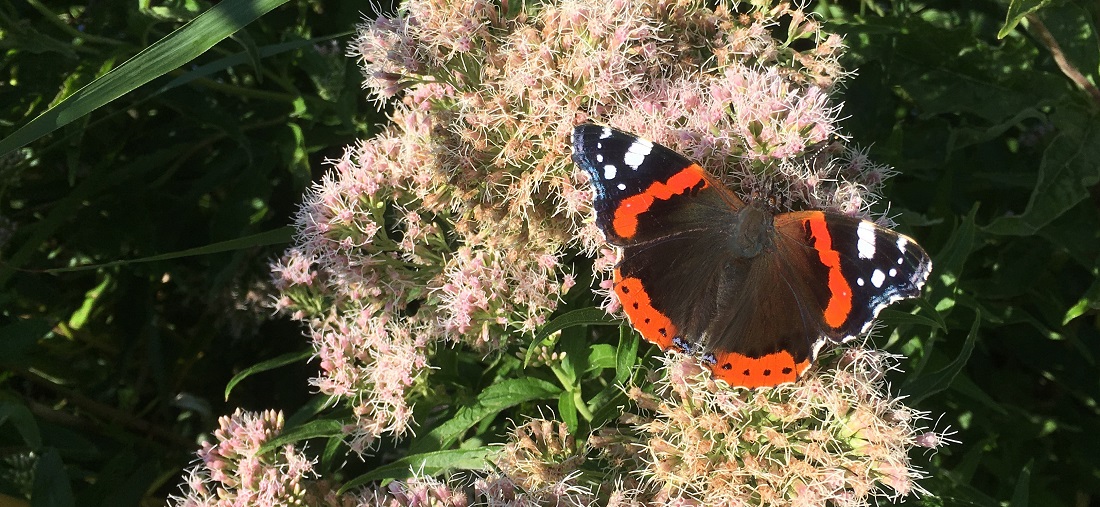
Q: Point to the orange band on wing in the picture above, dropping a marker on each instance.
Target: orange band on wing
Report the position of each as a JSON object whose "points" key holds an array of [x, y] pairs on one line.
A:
{"points": [[765, 371], [653, 324], [840, 300], [626, 214]]}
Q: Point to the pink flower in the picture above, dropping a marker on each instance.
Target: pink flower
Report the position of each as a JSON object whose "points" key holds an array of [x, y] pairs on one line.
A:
{"points": [[233, 471]]}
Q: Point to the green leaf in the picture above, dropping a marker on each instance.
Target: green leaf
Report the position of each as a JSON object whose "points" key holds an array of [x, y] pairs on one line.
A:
{"points": [[312, 429], [567, 408], [606, 405], [51, 483], [574, 346], [1017, 9], [17, 341], [490, 402], [270, 364], [316, 404], [426, 464], [938, 381], [896, 317], [219, 65], [21, 418], [1066, 175], [334, 454], [931, 313], [272, 237], [965, 386], [626, 354], [600, 356], [170, 53], [80, 316], [581, 317], [1073, 25], [948, 267], [952, 257], [1090, 300], [1021, 492]]}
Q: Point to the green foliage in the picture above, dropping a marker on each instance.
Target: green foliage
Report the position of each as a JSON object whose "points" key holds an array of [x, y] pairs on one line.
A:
{"points": [[429, 463], [971, 104], [490, 401], [197, 135], [151, 159]]}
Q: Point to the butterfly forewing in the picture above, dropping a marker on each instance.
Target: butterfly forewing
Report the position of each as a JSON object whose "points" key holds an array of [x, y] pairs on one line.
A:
{"points": [[633, 177]]}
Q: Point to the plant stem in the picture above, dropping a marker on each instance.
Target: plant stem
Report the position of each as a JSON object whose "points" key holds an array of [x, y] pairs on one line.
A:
{"points": [[1039, 30]]}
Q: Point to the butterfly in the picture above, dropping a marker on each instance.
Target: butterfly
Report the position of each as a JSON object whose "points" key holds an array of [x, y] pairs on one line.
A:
{"points": [[756, 294]]}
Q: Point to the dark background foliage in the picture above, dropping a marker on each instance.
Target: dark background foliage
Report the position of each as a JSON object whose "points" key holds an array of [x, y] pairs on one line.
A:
{"points": [[111, 374], [999, 150]]}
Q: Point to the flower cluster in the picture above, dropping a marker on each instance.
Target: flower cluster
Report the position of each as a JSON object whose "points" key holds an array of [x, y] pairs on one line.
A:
{"points": [[537, 466], [460, 491], [17, 472], [234, 472], [541, 454], [834, 438]]}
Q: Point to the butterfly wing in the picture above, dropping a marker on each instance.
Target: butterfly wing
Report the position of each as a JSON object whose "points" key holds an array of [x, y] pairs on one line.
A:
{"points": [[866, 266], [660, 208], [634, 177]]}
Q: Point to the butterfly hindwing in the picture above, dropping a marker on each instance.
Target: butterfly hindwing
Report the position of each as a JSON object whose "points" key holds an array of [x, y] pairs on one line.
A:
{"points": [[748, 337]]}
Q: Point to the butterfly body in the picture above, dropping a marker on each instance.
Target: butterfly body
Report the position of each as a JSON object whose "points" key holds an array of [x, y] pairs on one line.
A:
{"points": [[757, 294]]}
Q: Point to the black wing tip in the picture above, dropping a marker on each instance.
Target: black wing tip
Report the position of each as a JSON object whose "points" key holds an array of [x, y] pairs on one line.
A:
{"points": [[585, 128], [586, 137], [580, 132]]}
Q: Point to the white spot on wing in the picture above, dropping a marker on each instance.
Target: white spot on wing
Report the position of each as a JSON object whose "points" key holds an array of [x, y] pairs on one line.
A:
{"points": [[877, 278], [637, 152], [599, 158], [605, 133], [622, 186], [609, 172], [901, 243], [866, 243], [860, 282], [893, 272]]}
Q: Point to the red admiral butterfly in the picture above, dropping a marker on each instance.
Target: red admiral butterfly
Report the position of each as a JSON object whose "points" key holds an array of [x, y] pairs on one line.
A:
{"points": [[756, 293]]}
